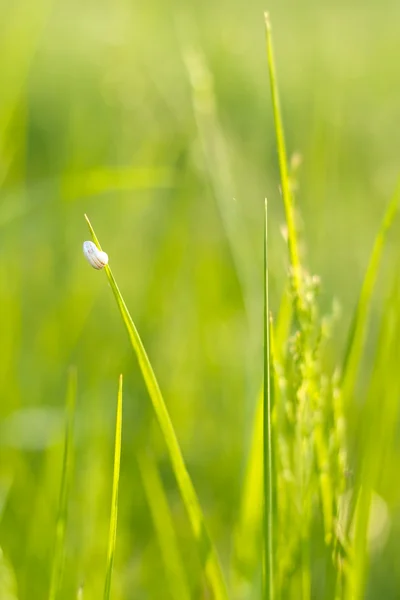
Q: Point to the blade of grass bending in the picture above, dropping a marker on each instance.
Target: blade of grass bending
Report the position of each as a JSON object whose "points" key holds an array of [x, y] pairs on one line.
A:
{"points": [[380, 419], [58, 554], [283, 167], [269, 583], [360, 319], [359, 325], [207, 551], [163, 524], [114, 499]]}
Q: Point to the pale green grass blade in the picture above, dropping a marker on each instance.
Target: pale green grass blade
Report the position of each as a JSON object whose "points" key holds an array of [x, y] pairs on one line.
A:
{"points": [[163, 524], [207, 551], [359, 325], [380, 417], [58, 554], [8, 583], [283, 166], [217, 162], [246, 552], [269, 487], [114, 499], [360, 320]]}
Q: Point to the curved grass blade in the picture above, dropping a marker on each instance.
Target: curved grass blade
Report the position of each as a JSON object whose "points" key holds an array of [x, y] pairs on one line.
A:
{"points": [[206, 549], [358, 329], [114, 500], [269, 488], [380, 422], [285, 177], [163, 524], [58, 554], [360, 319]]}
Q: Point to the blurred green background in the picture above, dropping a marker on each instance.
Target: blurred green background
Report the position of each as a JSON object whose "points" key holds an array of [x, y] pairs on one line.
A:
{"points": [[155, 119]]}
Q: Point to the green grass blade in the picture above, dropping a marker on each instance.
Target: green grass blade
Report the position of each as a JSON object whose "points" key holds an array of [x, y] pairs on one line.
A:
{"points": [[247, 532], [217, 162], [283, 166], [359, 325], [380, 420], [207, 551], [163, 524], [114, 499], [269, 584], [58, 554], [358, 329]]}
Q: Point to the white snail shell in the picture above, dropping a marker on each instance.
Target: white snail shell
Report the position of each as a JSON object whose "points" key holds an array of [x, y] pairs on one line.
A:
{"points": [[95, 257]]}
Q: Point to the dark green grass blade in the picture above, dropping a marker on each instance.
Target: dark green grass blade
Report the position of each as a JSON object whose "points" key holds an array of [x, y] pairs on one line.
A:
{"points": [[114, 499], [206, 549], [359, 325], [269, 585], [283, 166], [164, 527], [58, 554]]}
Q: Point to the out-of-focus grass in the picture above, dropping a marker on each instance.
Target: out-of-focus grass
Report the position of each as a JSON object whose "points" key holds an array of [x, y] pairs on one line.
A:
{"points": [[97, 115]]}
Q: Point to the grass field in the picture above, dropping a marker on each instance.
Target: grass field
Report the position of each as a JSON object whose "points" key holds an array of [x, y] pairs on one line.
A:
{"points": [[156, 121]]}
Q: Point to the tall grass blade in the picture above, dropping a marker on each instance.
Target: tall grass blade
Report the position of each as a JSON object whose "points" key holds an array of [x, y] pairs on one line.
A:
{"points": [[216, 158], [359, 326], [360, 319], [114, 499], [58, 554], [247, 532], [163, 524], [205, 546], [284, 172], [380, 422], [269, 584]]}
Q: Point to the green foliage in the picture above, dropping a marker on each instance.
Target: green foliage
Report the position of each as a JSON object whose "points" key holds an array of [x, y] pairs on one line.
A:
{"points": [[157, 123]]}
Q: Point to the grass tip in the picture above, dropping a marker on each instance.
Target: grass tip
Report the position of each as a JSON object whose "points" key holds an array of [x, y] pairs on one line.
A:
{"points": [[267, 20]]}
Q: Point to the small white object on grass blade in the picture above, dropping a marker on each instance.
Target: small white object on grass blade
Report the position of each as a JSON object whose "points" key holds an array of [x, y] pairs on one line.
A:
{"points": [[95, 257]]}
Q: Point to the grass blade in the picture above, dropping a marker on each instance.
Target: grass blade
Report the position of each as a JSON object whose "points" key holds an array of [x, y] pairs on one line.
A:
{"points": [[207, 551], [163, 524], [360, 319], [380, 421], [114, 499], [247, 532], [283, 167], [358, 329], [58, 554], [269, 585]]}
